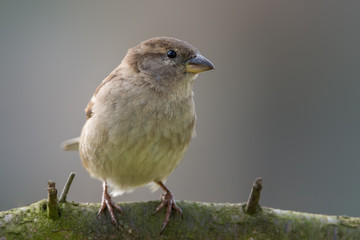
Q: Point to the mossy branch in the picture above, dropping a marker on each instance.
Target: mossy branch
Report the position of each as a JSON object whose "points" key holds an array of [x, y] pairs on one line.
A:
{"points": [[201, 221]]}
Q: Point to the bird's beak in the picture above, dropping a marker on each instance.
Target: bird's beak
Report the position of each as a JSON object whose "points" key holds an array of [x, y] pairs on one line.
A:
{"points": [[199, 64]]}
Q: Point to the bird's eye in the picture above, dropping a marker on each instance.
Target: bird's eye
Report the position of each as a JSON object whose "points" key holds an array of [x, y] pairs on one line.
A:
{"points": [[171, 54]]}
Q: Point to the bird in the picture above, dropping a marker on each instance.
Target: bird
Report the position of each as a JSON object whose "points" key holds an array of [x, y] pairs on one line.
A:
{"points": [[140, 121]]}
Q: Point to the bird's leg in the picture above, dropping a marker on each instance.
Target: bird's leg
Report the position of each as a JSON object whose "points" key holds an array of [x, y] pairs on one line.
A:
{"points": [[106, 202], [168, 201]]}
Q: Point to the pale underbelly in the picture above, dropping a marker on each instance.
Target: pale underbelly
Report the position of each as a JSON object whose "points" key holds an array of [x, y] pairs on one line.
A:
{"points": [[127, 165]]}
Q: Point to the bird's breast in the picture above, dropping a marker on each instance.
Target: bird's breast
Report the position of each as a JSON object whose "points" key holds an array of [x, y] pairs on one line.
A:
{"points": [[132, 142]]}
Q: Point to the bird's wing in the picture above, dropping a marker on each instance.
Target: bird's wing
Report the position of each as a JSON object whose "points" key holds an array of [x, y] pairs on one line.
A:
{"points": [[88, 109], [71, 144]]}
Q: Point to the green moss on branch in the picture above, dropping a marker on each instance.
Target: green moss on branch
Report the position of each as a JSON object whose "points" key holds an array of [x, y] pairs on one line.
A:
{"points": [[201, 221]]}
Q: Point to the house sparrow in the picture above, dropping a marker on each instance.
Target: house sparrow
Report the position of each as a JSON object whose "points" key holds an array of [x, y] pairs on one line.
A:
{"points": [[141, 119]]}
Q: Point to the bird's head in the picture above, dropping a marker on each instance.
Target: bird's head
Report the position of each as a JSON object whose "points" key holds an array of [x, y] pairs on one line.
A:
{"points": [[166, 61]]}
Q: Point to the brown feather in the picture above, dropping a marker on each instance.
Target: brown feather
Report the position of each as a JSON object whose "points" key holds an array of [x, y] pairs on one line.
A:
{"points": [[88, 109]]}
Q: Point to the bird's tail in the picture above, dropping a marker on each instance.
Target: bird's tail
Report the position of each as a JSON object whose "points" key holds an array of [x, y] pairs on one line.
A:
{"points": [[71, 144]]}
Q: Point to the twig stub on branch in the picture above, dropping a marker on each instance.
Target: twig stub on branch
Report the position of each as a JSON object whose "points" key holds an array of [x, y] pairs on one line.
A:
{"points": [[66, 188], [51, 204], [253, 201]]}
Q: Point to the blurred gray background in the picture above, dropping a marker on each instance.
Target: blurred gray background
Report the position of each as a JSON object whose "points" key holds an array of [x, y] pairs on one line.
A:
{"points": [[283, 102]]}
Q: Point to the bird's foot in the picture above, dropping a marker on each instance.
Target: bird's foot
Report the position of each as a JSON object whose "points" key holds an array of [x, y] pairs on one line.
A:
{"points": [[168, 201], [106, 202]]}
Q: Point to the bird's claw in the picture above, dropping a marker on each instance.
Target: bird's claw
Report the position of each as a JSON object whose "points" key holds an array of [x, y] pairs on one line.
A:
{"points": [[168, 201], [106, 202]]}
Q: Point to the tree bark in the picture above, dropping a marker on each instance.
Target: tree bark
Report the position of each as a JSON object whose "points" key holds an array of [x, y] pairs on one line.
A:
{"points": [[201, 221]]}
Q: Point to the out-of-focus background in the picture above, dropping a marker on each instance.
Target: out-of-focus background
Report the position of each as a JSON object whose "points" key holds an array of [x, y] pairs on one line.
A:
{"points": [[283, 102]]}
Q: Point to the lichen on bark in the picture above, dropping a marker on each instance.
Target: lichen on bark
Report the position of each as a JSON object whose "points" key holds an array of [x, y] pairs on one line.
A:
{"points": [[201, 221]]}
